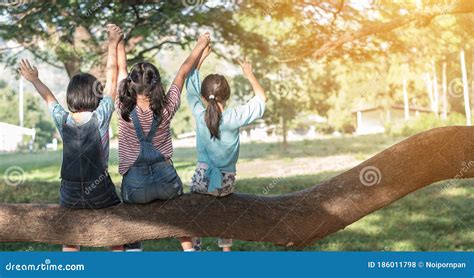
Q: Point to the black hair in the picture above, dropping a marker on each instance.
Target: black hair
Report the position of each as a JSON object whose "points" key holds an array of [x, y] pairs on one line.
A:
{"points": [[214, 90], [144, 79], [84, 93]]}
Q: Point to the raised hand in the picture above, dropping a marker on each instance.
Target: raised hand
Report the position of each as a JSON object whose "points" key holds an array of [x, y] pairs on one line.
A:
{"points": [[248, 72], [111, 75], [31, 74], [114, 32], [246, 67], [204, 39], [27, 71]]}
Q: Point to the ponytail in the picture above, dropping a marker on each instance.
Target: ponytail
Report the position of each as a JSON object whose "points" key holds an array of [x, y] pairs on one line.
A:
{"points": [[213, 118], [127, 98], [144, 79], [215, 90]]}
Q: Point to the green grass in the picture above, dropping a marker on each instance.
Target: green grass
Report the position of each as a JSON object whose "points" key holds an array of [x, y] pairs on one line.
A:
{"points": [[430, 219]]}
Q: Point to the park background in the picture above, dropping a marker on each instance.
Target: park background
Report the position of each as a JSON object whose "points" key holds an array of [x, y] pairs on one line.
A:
{"points": [[345, 80]]}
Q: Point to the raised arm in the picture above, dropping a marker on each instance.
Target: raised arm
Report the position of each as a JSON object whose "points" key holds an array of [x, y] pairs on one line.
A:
{"points": [[190, 62], [31, 74], [122, 61], [204, 55], [248, 73], [115, 35]]}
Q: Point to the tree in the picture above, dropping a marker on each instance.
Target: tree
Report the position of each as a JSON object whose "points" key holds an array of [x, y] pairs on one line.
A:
{"points": [[324, 45], [337, 23], [295, 219], [71, 35]]}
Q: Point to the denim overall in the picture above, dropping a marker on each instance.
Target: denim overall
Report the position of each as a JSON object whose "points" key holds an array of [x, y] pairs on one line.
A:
{"points": [[85, 182], [152, 176]]}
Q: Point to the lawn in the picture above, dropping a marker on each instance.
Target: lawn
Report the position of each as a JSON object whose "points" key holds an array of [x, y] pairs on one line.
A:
{"points": [[430, 219]]}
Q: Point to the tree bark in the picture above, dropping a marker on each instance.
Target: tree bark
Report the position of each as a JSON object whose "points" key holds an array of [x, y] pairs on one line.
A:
{"points": [[297, 219]]}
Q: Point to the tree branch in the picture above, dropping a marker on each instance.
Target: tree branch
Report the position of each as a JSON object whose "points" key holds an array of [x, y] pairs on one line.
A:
{"points": [[297, 219], [424, 17], [140, 54]]}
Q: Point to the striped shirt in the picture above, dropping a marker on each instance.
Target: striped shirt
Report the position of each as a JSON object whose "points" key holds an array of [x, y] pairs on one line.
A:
{"points": [[129, 145]]}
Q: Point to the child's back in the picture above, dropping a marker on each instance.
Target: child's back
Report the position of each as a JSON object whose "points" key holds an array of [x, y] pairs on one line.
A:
{"points": [[217, 133], [218, 146], [85, 182], [223, 153]]}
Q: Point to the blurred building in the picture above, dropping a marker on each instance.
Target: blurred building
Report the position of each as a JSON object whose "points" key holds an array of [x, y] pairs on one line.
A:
{"points": [[13, 136], [373, 119]]}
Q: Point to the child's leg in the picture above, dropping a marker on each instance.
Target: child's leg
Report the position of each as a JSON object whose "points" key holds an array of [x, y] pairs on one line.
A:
{"points": [[117, 248], [191, 244], [187, 244], [225, 244], [71, 248]]}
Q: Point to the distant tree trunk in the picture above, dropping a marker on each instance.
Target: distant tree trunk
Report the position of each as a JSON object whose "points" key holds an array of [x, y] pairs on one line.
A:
{"points": [[296, 219], [429, 90], [405, 99], [445, 93], [284, 125], [72, 66], [467, 99], [435, 90]]}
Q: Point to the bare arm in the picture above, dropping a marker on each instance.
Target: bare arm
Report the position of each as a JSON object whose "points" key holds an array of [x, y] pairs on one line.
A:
{"points": [[115, 35], [31, 74], [190, 62], [204, 55], [122, 61], [247, 70]]}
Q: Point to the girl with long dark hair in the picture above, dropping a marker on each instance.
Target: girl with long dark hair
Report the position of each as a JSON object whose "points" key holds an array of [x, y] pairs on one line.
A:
{"points": [[145, 113], [218, 129]]}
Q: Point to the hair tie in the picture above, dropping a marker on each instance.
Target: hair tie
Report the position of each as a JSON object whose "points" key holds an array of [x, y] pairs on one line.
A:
{"points": [[212, 96]]}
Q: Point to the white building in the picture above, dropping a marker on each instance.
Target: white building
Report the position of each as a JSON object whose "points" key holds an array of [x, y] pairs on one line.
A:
{"points": [[373, 119], [12, 136]]}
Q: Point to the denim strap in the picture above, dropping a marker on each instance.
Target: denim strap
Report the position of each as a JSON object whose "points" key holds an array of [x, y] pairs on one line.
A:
{"points": [[138, 127], [65, 117], [136, 124], [153, 128]]}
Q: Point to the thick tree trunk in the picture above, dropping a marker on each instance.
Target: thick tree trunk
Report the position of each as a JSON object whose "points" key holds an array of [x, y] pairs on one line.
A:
{"points": [[298, 218]]}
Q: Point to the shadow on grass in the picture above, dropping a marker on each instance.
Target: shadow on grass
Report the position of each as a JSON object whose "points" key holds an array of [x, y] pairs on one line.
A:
{"points": [[365, 145]]}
